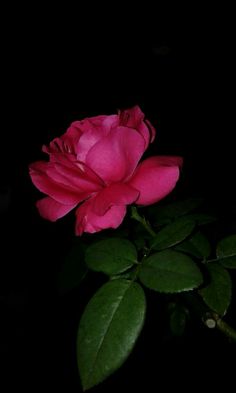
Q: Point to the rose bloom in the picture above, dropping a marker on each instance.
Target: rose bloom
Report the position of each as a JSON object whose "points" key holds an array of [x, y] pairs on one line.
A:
{"points": [[95, 165]]}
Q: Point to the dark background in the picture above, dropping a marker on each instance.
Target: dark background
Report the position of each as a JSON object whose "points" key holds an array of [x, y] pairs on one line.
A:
{"points": [[184, 84]]}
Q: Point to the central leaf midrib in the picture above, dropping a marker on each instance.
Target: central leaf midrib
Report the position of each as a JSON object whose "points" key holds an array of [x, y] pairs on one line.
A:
{"points": [[106, 331]]}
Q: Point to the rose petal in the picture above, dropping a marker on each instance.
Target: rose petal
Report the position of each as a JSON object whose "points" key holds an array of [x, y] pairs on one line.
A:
{"points": [[115, 194], [62, 193], [57, 156], [52, 210], [105, 121], [88, 221], [77, 176], [134, 118], [155, 178], [67, 143], [168, 161], [152, 130], [94, 129], [115, 157], [89, 139]]}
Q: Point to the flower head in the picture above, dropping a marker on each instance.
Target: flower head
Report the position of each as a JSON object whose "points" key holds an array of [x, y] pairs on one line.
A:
{"points": [[96, 165]]}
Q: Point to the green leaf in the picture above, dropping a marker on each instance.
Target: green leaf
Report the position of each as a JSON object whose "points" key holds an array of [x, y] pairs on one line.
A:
{"points": [[197, 245], [178, 318], [226, 252], [201, 218], [170, 271], [73, 269], [217, 295], [175, 209], [111, 256], [108, 330], [173, 234]]}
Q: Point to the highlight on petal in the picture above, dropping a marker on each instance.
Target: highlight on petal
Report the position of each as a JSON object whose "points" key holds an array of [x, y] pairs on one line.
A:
{"points": [[88, 221], [52, 210], [115, 157], [115, 194], [155, 178]]}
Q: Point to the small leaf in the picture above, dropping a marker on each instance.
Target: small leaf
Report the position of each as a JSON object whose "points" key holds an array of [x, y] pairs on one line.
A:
{"points": [[226, 252], [73, 269], [170, 271], [175, 209], [197, 245], [111, 256], [173, 234], [201, 218], [108, 330], [217, 295]]}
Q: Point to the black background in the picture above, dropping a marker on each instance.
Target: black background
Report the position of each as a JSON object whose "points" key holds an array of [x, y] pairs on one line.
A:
{"points": [[52, 76]]}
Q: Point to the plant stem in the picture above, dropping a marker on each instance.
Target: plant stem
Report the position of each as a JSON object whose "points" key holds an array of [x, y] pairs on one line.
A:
{"points": [[208, 317], [136, 216], [226, 329]]}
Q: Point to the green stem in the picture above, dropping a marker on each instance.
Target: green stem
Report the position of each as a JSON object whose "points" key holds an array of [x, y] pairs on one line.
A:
{"points": [[209, 318], [136, 216], [226, 329]]}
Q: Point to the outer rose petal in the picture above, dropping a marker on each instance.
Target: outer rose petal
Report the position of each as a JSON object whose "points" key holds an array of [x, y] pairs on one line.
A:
{"points": [[115, 194], [155, 178], [88, 221], [115, 157], [51, 209], [62, 193], [78, 177]]}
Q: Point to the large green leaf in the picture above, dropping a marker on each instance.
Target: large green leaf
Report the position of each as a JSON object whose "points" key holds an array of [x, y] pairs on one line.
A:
{"points": [[73, 270], [176, 209], [173, 234], [108, 330], [217, 295], [170, 271], [111, 256], [197, 245], [226, 252]]}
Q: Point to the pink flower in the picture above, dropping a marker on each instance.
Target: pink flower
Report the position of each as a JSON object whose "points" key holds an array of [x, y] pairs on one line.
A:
{"points": [[96, 164]]}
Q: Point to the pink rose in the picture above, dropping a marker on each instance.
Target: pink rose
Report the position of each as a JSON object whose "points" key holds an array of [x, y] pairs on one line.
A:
{"points": [[96, 164]]}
